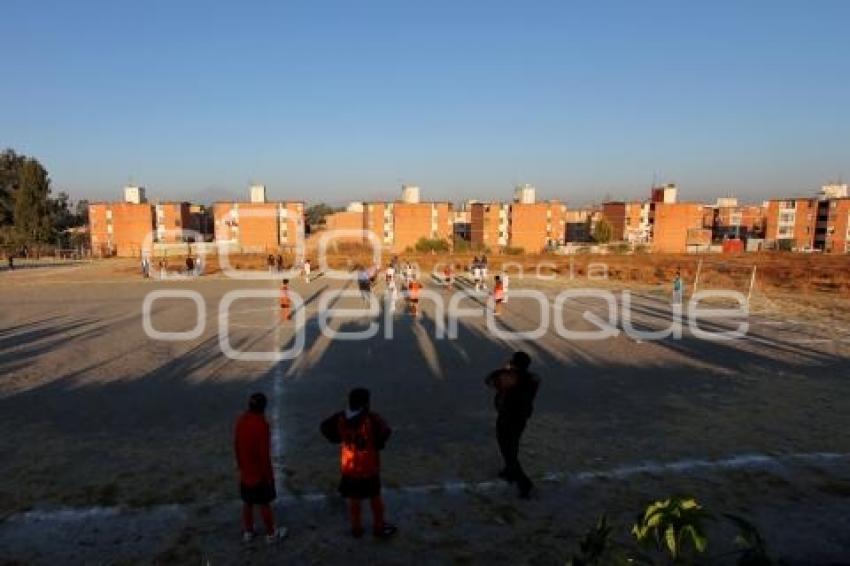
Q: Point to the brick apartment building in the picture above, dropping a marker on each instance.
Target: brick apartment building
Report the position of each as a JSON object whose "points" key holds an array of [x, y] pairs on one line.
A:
{"points": [[488, 224], [534, 227], [348, 220], [120, 228], [171, 219], [259, 226], [805, 224], [678, 227], [670, 226], [835, 234], [629, 221], [397, 225], [400, 225], [123, 228], [729, 220], [526, 224]]}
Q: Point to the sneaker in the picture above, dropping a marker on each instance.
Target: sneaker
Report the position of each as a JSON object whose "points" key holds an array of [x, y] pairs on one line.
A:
{"points": [[247, 536], [278, 535], [386, 531]]}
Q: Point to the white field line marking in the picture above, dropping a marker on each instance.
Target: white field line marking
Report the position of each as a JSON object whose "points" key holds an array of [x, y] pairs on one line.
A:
{"points": [[77, 514], [739, 461]]}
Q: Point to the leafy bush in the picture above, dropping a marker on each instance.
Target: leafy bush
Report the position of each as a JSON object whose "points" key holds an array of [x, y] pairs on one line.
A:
{"points": [[675, 527], [754, 549], [461, 245], [432, 245], [598, 549]]}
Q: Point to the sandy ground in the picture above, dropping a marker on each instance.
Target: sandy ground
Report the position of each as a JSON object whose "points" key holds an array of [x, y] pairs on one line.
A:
{"points": [[93, 413]]}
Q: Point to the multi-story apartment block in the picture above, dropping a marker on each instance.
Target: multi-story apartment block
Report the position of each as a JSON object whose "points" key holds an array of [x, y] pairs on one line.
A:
{"points": [[534, 227], [121, 228], [526, 224], [348, 223], [488, 224], [832, 232], [172, 218], [677, 226], [790, 223], [629, 220], [259, 226], [809, 224], [729, 220], [397, 226]]}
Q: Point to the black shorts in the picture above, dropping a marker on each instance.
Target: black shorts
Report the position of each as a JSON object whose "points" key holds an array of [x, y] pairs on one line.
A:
{"points": [[360, 488], [259, 494]]}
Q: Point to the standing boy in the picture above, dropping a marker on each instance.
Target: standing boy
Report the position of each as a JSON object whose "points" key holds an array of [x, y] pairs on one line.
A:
{"points": [[306, 270], [476, 275], [498, 295], [363, 285], [677, 288], [362, 434], [285, 301], [252, 441], [516, 389], [413, 296]]}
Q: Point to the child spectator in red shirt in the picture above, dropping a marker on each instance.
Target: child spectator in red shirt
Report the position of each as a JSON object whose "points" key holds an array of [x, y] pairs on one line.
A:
{"points": [[362, 434], [252, 441]]}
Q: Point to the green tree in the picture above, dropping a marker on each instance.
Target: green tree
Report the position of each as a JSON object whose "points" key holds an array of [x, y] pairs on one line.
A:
{"points": [[33, 218], [81, 212], [317, 212], [603, 232], [28, 215], [10, 164]]}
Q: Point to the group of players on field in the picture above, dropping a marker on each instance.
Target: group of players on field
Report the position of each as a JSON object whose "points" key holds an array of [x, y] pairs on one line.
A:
{"points": [[404, 280]]}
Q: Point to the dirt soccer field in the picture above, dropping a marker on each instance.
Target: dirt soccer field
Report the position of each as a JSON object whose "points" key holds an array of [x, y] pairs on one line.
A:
{"points": [[115, 446]]}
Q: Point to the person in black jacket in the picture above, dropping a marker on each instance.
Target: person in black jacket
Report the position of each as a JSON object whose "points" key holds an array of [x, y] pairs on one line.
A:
{"points": [[516, 389], [361, 435]]}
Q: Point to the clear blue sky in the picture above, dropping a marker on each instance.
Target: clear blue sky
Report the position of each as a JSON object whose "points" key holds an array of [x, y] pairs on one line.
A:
{"points": [[344, 100]]}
